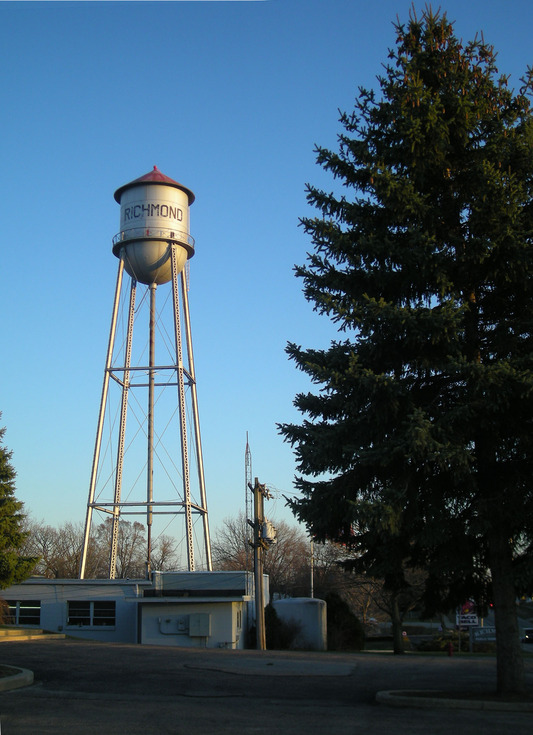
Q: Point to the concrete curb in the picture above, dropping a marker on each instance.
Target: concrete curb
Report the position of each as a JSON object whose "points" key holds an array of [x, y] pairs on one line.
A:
{"points": [[32, 637], [20, 678], [423, 700]]}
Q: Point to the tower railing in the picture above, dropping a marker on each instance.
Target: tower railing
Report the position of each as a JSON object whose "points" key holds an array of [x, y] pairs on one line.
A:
{"points": [[155, 233]]}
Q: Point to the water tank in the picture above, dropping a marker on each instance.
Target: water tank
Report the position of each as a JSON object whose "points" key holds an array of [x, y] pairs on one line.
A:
{"points": [[309, 616], [154, 214]]}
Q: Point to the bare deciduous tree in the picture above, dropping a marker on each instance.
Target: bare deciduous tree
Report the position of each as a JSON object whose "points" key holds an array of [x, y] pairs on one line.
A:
{"points": [[59, 549], [287, 562]]}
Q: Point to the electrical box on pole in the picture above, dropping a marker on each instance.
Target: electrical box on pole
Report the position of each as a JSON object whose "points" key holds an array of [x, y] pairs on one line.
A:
{"points": [[269, 533]]}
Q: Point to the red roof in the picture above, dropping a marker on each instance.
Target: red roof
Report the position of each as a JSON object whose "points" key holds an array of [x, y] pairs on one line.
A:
{"points": [[154, 177]]}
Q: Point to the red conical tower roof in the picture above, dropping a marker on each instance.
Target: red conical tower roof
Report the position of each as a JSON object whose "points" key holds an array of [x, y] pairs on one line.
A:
{"points": [[154, 177]]}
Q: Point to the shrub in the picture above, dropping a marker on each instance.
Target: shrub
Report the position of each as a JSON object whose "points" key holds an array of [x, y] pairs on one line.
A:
{"points": [[441, 641], [5, 618], [345, 631], [280, 634]]}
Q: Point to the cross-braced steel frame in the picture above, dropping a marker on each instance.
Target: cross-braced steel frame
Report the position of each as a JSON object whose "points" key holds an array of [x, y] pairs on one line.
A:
{"points": [[184, 378]]}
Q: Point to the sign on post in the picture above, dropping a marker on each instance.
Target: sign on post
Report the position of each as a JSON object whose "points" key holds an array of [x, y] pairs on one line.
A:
{"points": [[488, 633], [467, 615]]}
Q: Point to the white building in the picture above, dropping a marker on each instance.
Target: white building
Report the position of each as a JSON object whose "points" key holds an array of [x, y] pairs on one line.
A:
{"points": [[189, 609]]}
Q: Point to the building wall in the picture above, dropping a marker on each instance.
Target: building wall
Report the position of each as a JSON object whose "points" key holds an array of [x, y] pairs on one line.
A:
{"points": [[191, 624], [59, 597], [118, 611]]}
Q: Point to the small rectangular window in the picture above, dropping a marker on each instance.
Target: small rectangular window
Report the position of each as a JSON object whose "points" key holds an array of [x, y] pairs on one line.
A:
{"points": [[24, 612], [29, 612], [89, 614], [104, 613], [79, 613]]}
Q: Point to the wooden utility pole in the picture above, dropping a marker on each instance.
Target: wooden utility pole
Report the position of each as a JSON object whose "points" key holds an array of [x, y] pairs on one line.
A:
{"points": [[259, 551], [259, 544]]}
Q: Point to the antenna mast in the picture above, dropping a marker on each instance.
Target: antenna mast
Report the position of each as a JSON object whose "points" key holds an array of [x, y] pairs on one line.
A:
{"points": [[248, 512]]}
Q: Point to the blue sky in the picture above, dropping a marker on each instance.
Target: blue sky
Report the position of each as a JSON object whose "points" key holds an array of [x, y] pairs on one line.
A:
{"points": [[228, 98]]}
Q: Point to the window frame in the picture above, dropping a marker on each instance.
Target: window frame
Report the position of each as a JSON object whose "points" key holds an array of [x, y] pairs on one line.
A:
{"points": [[92, 614], [19, 612]]}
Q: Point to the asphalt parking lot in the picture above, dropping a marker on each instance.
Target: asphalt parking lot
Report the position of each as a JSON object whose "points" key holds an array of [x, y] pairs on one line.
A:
{"points": [[110, 689]]}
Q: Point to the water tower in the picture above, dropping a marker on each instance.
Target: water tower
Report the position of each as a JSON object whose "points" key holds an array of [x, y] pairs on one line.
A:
{"points": [[141, 465]]}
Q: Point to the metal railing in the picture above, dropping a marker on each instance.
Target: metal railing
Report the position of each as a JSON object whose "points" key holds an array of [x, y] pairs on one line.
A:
{"points": [[153, 233]]}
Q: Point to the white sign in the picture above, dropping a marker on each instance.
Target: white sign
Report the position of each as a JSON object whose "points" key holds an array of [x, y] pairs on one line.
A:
{"points": [[469, 619], [466, 614], [488, 633]]}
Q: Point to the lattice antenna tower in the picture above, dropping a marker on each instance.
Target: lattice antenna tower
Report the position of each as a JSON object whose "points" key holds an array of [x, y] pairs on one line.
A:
{"points": [[248, 498]]}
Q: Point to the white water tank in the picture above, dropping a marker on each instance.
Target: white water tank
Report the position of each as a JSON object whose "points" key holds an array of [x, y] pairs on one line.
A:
{"points": [[154, 214], [310, 616]]}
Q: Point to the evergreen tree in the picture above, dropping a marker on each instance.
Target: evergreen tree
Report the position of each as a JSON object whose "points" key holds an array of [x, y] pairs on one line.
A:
{"points": [[421, 432], [13, 567]]}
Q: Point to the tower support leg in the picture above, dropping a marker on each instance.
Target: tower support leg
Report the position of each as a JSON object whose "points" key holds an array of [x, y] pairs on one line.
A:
{"points": [[122, 435], [150, 459], [180, 368], [196, 419], [101, 415]]}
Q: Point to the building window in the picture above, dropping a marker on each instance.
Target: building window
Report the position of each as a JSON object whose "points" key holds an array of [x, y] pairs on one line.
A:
{"points": [[89, 614], [24, 612]]}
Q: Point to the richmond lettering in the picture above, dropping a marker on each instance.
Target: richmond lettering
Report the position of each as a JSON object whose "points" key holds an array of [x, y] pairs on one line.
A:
{"points": [[152, 210]]}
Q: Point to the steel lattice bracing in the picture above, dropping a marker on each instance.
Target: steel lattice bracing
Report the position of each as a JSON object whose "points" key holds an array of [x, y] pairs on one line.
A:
{"points": [[248, 498], [151, 465]]}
